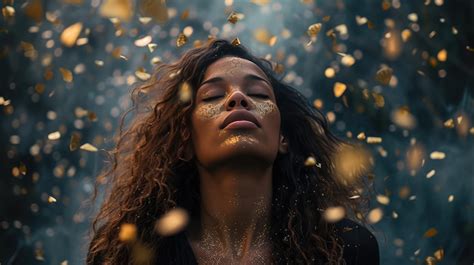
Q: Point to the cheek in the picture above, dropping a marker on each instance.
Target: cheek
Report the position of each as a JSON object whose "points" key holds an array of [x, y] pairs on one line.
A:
{"points": [[207, 111], [264, 109]]}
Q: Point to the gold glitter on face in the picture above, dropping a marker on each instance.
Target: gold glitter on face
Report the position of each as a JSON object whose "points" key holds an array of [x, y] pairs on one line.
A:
{"points": [[264, 108], [209, 111], [238, 139]]}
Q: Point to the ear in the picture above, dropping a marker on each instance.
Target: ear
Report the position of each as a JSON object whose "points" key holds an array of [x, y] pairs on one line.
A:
{"points": [[283, 146]]}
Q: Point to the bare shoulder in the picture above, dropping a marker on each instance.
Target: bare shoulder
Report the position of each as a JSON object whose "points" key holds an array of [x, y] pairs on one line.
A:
{"points": [[360, 245]]}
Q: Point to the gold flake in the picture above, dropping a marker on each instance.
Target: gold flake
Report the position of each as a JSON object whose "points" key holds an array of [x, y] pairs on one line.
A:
{"points": [[8, 12], [384, 75], [67, 75], [181, 40], [88, 147], [51, 199], [185, 92], [329, 72], [272, 41], [334, 214], [128, 233], [354, 197], [172, 222], [54, 135], [152, 47], [34, 10], [142, 74], [339, 89], [144, 20], [449, 123], [234, 17], [143, 41], [361, 136], [236, 42], [314, 29], [121, 9], [439, 254], [361, 20], [318, 103], [442, 55], [430, 260], [99, 62], [311, 161], [430, 232], [70, 34], [348, 60], [382, 199], [374, 140], [437, 155], [155, 9], [75, 141], [406, 34], [450, 198], [430, 174], [375, 215], [403, 118]]}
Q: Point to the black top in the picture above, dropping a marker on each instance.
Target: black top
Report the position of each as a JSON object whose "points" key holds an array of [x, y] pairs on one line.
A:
{"points": [[359, 244]]}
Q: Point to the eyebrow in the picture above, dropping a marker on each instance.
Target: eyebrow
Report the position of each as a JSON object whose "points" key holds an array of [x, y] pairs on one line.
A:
{"points": [[248, 77]]}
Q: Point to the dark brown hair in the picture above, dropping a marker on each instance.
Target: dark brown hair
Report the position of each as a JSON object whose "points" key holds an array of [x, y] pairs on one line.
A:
{"points": [[148, 175]]}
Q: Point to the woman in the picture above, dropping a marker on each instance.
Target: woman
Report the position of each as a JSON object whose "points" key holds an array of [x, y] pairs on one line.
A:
{"points": [[217, 134]]}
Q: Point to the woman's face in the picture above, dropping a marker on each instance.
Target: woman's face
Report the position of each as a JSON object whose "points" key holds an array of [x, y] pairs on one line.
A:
{"points": [[235, 116]]}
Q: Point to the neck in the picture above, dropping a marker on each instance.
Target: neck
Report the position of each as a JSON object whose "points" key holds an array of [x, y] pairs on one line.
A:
{"points": [[235, 208]]}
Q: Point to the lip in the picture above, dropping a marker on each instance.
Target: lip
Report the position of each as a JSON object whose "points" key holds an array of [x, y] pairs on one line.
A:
{"points": [[240, 119]]}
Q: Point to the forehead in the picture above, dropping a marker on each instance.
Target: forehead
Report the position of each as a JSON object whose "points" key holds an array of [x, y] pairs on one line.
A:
{"points": [[234, 66]]}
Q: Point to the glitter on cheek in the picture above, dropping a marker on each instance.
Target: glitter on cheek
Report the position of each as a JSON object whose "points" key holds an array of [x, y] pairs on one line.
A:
{"points": [[208, 111], [264, 108]]}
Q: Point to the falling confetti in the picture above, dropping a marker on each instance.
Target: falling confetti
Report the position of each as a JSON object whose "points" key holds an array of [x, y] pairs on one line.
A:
{"points": [[128, 233], [334, 214], [375, 215], [437, 155], [54, 135], [172, 222], [67, 75], [384, 75], [339, 89], [181, 40], [88, 147], [70, 34]]}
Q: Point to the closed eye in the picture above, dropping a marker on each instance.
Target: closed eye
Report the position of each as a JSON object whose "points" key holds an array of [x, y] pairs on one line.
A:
{"points": [[211, 98], [259, 95]]}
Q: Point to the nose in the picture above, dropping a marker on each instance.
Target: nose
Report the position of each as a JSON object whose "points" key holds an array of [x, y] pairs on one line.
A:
{"points": [[237, 99]]}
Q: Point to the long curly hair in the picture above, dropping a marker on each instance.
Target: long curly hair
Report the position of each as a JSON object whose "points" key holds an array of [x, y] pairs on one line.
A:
{"points": [[149, 175]]}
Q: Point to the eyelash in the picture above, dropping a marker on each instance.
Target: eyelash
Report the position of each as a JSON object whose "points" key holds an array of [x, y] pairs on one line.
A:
{"points": [[256, 95]]}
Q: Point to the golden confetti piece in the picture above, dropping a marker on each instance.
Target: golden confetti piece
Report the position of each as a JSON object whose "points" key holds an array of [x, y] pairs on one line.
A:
{"points": [[375, 215], [121, 9], [70, 34], [152, 47], [348, 60], [314, 29], [51, 199], [439, 254], [430, 174], [334, 214], [142, 74], [351, 163], [155, 9], [339, 89], [272, 41], [384, 75], [144, 20], [128, 233], [449, 123], [88, 147], [67, 75], [143, 41], [181, 40], [394, 215], [442, 55], [236, 42], [99, 62], [311, 162], [354, 197], [450, 198], [382, 199], [403, 118], [330, 72], [8, 12], [361, 20], [406, 34], [54, 135], [374, 140], [172, 222], [437, 155], [431, 232], [430, 260], [361, 136], [75, 141], [185, 92], [234, 17], [413, 17]]}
